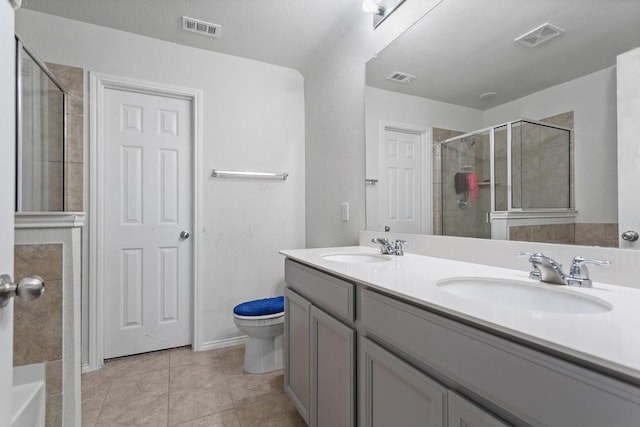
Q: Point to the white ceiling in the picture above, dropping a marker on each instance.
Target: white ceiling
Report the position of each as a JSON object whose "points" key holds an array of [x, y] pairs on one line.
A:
{"points": [[464, 48], [281, 32]]}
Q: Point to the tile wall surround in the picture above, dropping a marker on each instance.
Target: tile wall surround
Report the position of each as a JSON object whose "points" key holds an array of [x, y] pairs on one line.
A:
{"points": [[589, 234], [567, 120], [38, 323], [72, 79]]}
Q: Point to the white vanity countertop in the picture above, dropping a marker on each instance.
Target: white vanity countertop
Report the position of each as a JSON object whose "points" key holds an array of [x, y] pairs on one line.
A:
{"points": [[609, 339]]}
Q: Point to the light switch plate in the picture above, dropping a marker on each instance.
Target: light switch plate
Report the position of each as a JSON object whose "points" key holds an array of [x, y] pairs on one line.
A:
{"points": [[345, 211]]}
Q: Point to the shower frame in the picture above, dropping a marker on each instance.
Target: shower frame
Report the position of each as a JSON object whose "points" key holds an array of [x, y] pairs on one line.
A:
{"points": [[526, 214], [21, 49]]}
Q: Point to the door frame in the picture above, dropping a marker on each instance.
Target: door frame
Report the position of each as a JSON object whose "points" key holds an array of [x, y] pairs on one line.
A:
{"points": [[98, 83], [426, 160]]}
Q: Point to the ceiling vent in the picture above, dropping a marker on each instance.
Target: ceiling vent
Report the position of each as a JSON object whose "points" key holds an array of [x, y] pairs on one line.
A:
{"points": [[201, 27], [399, 77], [537, 36]]}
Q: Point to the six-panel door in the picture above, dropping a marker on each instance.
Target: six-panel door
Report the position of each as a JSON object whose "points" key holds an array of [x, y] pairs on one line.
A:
{"points": [[147, 204]]}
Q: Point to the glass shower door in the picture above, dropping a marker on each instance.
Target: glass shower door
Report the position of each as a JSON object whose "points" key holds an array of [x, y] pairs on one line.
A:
{"points": [[466, 188]]}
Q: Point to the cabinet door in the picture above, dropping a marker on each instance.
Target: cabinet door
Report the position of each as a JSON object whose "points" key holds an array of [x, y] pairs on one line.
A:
{"points": [[392, 393], [463, 413], [296, 351], [332, 371]]}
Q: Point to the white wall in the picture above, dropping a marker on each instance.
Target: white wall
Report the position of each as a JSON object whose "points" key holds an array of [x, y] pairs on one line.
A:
{"points": [[253, 119], [593, 100], [335, 136], [384, 105]]}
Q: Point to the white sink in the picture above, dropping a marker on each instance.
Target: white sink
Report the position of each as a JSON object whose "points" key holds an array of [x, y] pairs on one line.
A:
{"points": [[523, 295], [356, 258]]}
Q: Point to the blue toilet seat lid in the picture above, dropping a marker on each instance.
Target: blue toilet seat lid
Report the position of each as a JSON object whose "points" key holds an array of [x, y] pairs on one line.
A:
{"points": [[260, 307]]}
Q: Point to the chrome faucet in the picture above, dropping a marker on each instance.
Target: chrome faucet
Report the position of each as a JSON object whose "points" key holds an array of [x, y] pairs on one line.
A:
{"points": [[535, 272], [550, 271], [389, 248]]}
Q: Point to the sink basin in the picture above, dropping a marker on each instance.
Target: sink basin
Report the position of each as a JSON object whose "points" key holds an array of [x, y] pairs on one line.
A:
{"points": [[523, 295], [356, 258]]}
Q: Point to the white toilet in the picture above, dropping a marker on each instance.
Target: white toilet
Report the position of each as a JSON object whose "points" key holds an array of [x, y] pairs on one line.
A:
{"points": [[262, 321]]}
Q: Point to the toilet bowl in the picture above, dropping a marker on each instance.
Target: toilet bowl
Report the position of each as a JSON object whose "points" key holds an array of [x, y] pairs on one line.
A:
{"points": [[263, 322]]}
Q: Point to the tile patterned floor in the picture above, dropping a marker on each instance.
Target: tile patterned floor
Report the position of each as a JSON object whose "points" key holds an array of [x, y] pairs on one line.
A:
{"points": [[178, 387]]}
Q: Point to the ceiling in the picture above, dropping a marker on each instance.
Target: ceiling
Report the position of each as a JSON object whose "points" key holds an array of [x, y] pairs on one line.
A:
{"points": [[281, 32], [465, 48]]}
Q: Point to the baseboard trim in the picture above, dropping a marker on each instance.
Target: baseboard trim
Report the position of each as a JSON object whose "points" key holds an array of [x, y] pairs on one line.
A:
{"points": [[227, 342]]}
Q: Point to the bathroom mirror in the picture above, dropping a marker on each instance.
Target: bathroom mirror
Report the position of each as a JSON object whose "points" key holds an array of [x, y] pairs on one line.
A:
{"points": [[442, 99], [40, 136]]}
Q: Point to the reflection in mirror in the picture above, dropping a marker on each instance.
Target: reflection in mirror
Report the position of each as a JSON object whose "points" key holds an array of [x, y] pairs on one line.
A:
{"points": [[41, 136], [495, 139]]}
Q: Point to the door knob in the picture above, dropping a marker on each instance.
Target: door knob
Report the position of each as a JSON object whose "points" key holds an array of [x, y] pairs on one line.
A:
{"points": [[184, 234], [28, 289], [387, 228], [630, 236]]}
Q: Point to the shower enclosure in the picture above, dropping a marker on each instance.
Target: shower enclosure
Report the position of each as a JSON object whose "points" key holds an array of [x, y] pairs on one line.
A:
{"points": [[41, 135], [517, 173]]}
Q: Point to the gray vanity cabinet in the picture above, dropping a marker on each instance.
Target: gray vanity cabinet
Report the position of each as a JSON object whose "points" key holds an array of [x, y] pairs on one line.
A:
{"points": [[392, 393], [297, 372], [320, 350], [465, 414], [332, 371]]}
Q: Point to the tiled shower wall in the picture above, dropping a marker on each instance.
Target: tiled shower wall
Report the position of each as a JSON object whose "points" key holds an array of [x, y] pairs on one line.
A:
{"points": [[72, 79], [38, 324]]}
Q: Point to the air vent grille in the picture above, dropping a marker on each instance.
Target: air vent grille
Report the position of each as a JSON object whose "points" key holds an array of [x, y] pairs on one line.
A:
{"points": [[399, 77], [537, 36], [201, 27]]}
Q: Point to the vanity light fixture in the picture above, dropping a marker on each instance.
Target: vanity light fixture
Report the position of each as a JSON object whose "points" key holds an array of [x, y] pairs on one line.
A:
{"points": [[380, 9]]}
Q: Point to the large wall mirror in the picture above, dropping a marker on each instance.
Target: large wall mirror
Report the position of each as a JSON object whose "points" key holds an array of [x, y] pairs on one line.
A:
{"points": [[472, 133]]}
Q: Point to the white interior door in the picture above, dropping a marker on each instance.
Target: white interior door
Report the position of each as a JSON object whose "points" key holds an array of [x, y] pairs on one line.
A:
{"points": [[7, 199], [628, 93], [402, 182], [147, 193]]}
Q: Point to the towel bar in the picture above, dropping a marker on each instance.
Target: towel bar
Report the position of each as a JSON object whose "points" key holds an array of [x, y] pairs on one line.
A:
{"points": [[249, 175]]}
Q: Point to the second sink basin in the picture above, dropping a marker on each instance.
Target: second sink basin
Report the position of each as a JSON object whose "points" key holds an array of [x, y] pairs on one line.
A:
{"points": [[355, 258], [523, 295]]}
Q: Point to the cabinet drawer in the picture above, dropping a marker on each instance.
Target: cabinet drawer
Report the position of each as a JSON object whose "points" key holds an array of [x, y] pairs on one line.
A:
{"points": [[532, 386], [331, 294]]}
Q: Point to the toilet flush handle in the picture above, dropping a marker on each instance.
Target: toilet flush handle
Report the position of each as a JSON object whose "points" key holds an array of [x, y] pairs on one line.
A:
{"points": [[184, 234]]}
